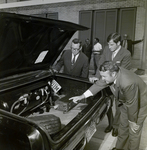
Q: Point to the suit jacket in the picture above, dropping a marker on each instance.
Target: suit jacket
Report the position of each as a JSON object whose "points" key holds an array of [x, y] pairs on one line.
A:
{"points": [[87, 50], [131, 91], [80, 68], [123, 58]]}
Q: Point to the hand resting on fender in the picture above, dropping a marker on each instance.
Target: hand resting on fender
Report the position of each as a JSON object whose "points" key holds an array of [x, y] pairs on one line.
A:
{"points": [[93, 79], [76, 99]]}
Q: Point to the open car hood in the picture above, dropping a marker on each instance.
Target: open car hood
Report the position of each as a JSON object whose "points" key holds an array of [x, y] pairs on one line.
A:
{"points": [[30, 43]]}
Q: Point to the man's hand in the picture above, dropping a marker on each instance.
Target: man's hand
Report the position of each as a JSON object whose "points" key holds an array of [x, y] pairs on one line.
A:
{"points": [[93, 79], [77, 98], [134, 127]]}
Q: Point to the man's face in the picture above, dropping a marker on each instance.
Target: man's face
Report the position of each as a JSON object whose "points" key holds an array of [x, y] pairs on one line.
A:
{"points": [[75, 48], [108, 76], [125, 37], [87, 42], [113, 46], [95, 41]]}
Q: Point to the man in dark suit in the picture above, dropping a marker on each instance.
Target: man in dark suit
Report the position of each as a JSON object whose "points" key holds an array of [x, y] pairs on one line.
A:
{"points": [[87, 49], [131, 92], [128, 43], [75, 62], [116, 53]]}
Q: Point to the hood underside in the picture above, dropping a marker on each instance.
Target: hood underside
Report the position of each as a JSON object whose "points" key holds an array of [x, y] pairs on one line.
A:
{"points": [[30, 43]]}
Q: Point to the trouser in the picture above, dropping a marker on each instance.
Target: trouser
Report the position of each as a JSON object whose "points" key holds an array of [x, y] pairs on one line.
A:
{"points": [[110, 112], [110, 117], [96, 59], [116, 120], [127, 140]]}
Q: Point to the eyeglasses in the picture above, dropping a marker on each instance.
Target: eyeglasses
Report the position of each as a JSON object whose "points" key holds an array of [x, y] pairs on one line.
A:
{"points": [[75, 49]]}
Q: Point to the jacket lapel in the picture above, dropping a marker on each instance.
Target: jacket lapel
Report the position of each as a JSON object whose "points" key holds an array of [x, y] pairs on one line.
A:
{"points": [[115, 90], [119, 54], [120, 95], [77, 61]]}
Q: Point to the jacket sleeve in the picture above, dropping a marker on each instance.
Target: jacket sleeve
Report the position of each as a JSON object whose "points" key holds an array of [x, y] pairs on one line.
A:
{"points": [[98, 86], [60, 63], [135, 42], [131, 94], [85, 69], [126, 61]]}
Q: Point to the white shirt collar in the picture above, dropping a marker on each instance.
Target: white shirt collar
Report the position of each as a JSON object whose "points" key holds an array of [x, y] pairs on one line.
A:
{"points": [[77, 55], [116, 51], [114, 81]]}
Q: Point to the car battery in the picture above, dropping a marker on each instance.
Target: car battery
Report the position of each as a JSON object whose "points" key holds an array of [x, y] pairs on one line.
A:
{"points": [[64, 104], [50, 123]]}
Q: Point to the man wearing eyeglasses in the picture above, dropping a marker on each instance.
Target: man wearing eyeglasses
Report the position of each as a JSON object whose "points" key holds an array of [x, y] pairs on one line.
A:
{"points": [[75, 62]]}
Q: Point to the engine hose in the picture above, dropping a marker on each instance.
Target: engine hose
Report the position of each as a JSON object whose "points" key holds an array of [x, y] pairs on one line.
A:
{"points": [[12, 107]]}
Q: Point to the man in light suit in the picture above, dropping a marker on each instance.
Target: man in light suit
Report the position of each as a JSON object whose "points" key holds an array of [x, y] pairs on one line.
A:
{"points": [[131, 92], [116, 53], [75, 62]]}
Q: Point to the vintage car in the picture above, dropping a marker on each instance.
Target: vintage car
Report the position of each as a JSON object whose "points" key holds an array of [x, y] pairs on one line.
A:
{"points": [[35, 111]]}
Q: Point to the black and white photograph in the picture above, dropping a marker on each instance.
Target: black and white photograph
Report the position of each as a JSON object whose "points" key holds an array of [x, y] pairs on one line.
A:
{"points": [[73, 74]]}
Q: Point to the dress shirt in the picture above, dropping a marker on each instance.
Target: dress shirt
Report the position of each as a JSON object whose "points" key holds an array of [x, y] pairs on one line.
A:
{"points": [[97, 48], [76, 57], [87, 94], [115, 52]]}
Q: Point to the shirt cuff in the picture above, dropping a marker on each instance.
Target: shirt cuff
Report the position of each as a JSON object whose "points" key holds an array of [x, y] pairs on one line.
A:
{"points": [[87, 94]]}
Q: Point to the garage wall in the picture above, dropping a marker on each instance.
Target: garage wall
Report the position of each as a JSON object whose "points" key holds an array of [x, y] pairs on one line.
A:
{"points": [[70, 12]]}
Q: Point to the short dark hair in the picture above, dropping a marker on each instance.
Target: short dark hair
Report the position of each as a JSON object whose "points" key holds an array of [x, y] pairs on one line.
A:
{"points": [[109, 66], [77, 41], [87, 39], [115, 37], [97, 39]]}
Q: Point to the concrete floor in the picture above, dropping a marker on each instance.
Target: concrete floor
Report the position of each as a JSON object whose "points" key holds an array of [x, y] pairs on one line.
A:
{"points": [[103, 141]]}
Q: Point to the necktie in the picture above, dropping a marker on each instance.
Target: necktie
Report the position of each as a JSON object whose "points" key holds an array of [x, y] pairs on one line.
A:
{"points": [[73, 60], [113, 89], [113, 55]]}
